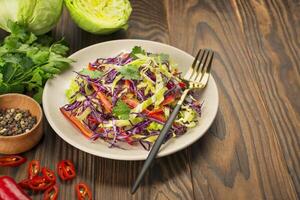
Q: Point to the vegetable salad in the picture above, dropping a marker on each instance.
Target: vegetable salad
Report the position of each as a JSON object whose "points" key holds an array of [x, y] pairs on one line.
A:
{"points": [[128, 98]]}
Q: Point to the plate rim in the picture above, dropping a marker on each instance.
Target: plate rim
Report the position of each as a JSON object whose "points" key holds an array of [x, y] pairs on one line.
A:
{"points": [[122, 157]]}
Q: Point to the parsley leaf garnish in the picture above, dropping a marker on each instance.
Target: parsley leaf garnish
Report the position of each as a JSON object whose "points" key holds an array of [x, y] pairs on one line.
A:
{"points": [[130, 72], [93, 74], [121, 110], [137, 50]]}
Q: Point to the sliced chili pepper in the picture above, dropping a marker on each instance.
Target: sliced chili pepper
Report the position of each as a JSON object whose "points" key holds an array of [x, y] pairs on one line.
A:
{"points": [[106, 103], [51, 193], [83, 192], [40, 183], [182, 85], [48, 174], [84, 130], [168, 100], [12, 161], [66, 170], [33, 168], [25, 184]]}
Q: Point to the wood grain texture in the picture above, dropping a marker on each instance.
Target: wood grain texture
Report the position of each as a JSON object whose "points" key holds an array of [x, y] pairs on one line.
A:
{"points": [[252, 150]]}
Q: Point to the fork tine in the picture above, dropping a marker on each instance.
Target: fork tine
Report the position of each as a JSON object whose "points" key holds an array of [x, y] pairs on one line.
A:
{"points": [[206, 66], [204, 79], [201, 65], [191, 69]]}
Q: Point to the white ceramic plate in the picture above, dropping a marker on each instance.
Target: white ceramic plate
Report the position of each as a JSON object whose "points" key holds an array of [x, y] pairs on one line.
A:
{"points": [[54, 98]]}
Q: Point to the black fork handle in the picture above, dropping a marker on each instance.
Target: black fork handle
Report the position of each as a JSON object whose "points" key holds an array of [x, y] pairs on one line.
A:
{"points": [[154, 150]]}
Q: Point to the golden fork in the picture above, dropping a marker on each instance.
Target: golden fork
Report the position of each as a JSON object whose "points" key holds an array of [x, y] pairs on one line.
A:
{"points": [[196, 78]]}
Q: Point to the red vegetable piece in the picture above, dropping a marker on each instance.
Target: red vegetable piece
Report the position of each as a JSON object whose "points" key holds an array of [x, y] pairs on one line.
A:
{"points": [[104, 100], [12, 161], [51, 193], [83, 192], [84, 130], [48, 174], [33, 168], [157, 111], [25, 184], [10, 190], [40, 183], [182, 85], [90, 67], [66, 170], [168, 100]]}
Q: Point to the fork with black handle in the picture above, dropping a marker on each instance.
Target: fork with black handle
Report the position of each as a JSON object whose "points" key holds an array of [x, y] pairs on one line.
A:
{"points": [[196, 78]]}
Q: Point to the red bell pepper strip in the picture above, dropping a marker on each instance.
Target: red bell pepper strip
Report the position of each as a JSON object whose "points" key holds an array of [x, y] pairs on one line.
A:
{"points": [[156, 111], [168, 100], [10, 190], [182, 85], [106, 103], [51, 193], [66, 170], [33, 168], [40, 183], [84, 130], [83, 192], [12, 161], [132, 103], [48, 174]]}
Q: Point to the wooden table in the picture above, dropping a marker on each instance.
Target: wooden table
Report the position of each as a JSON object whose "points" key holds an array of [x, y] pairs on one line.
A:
{"points": [[252, 150]]}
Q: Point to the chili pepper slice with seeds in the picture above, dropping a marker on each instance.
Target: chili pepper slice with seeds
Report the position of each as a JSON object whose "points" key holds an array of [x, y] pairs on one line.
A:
{"points": [[12, 161]]}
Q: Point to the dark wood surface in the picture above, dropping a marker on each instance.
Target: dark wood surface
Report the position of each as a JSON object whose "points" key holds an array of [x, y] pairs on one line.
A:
{"points": [[252, 150]]}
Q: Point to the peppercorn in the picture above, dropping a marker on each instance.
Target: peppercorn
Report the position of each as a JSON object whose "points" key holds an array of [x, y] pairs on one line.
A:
{"points": [[15, 121]]}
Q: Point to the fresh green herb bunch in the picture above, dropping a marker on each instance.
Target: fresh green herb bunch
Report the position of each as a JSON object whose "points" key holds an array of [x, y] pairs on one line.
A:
{"points": [[27, 61]]}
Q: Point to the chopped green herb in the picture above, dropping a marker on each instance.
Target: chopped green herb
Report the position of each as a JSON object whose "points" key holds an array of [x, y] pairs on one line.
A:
{"points": [[137, 50], [27, 61], [93, 74], [130, 72], [121, 110]]}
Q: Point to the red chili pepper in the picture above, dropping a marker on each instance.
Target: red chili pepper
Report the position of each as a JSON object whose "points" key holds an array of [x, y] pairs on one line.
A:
{"points": [[51, 193], [10, 190], [33, 168], [48, 174], [66, 170], [40, 183], [12, 161], [84, 130], [25, 184], [83, 192]]}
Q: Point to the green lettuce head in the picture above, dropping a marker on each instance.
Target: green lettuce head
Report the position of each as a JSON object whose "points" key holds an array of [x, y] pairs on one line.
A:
{"points": [[100, 16], [39, 16]]}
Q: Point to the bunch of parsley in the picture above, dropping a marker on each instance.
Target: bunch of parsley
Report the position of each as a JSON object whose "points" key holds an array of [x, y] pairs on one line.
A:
{"points": [[27, 61]]}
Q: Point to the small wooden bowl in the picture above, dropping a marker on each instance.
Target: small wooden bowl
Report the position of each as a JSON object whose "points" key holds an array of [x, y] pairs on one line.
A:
{"points": [[25, 141]]}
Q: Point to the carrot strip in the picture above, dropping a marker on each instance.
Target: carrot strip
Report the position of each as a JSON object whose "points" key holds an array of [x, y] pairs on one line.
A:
{"points": [[106, 103], [84, 130]]}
